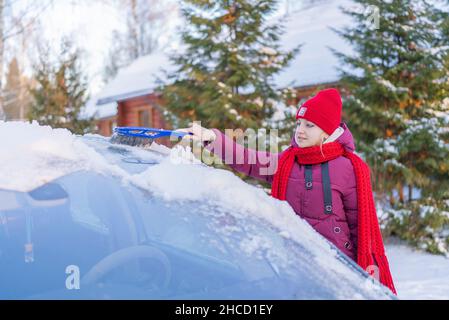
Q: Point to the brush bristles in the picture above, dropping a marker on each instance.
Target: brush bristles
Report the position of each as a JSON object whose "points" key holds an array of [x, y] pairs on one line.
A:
{"points": [[131, 141]]}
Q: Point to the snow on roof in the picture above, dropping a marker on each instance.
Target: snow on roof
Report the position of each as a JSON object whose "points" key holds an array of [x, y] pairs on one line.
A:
{"points": [[137, 79], [315, 63], [99, 112]]}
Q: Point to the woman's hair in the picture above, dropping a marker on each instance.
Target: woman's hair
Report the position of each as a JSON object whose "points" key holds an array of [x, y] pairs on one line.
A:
{"points": [[321, 145]]}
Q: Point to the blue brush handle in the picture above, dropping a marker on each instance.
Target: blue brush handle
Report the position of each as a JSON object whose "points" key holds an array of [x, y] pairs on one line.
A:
{"points": [[150, 133]]}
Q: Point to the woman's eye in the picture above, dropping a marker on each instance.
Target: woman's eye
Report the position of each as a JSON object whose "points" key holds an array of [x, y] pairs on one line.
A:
{"points": [[310, 125]]}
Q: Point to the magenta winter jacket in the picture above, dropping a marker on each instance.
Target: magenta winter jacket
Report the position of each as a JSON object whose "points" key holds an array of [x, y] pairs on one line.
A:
{"points": [[341, 226]]}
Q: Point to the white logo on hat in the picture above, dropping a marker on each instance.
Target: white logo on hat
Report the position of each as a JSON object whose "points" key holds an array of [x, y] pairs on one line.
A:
{"points": [[302, 111]]}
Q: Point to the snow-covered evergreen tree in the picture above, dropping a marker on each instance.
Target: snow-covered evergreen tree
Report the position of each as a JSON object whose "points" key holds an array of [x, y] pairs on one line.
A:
{"points": [[224, 75], [397, 82]]}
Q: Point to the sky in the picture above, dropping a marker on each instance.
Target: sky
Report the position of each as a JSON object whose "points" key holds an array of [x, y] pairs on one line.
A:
{"points": [[90, 25]]}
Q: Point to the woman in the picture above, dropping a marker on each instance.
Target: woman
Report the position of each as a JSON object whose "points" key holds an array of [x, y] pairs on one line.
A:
{"points": [[324, 181]]}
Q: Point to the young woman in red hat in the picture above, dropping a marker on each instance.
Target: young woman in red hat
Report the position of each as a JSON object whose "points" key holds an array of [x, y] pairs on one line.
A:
{"points": [[320, 176]]}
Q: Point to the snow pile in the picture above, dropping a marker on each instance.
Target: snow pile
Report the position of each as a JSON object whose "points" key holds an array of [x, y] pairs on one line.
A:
{"points": [[32, 155]]}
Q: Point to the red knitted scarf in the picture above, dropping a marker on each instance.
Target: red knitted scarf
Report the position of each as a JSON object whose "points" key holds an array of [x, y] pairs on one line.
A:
{"points": [[370, 245]]}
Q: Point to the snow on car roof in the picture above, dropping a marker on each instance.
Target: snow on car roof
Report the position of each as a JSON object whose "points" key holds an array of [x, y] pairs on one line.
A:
{"points": [[32, 155]]}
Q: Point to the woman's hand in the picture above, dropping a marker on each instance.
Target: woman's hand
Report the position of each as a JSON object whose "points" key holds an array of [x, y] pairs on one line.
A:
{"points": [[198, 133]]}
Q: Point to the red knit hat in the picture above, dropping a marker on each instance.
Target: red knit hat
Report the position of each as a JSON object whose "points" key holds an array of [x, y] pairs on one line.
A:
{"points": [[324, 110]]}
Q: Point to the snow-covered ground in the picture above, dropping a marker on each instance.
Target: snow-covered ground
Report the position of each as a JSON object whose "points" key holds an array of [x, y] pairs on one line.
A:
{"points": [[418, 275]]}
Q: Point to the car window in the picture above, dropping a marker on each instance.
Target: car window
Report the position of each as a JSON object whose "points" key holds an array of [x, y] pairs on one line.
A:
{"points": [[40, 238], [82, 218]]}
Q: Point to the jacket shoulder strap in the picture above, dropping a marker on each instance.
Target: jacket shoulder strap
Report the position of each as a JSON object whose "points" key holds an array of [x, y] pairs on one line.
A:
{"points": [[327, 191]]}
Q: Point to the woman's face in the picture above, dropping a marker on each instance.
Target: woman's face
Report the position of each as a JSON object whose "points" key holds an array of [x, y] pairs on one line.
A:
{"points": [[308, 134]]}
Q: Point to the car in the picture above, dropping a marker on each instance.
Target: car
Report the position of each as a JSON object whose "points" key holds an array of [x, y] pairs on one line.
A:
{"points": [[142, 230]]}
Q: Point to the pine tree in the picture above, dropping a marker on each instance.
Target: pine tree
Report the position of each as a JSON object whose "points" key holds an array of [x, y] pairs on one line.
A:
{"points": [[61, 93], [397, 82], [224, 77]]}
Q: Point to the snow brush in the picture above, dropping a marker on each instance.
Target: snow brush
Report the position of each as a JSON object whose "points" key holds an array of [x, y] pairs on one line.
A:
{"points": [[137, 136]]}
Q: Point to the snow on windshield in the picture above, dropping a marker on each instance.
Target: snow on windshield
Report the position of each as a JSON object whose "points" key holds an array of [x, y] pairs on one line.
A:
{"points": [[32, 155]]}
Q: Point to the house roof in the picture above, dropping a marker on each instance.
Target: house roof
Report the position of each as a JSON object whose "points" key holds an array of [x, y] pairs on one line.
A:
{"points": [[99, 112], [310, 26], [137, 79]]}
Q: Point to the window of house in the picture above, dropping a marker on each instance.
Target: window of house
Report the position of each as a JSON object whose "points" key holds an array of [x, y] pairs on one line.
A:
{"points": [[145, 118]]}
